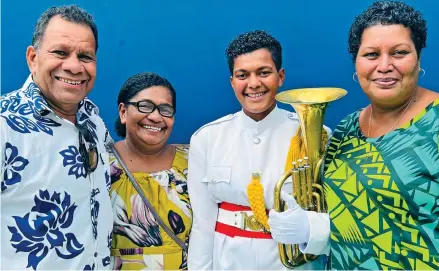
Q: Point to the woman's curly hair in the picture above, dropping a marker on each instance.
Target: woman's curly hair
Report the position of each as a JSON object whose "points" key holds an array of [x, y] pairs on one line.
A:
{"points": [[388, 13]]}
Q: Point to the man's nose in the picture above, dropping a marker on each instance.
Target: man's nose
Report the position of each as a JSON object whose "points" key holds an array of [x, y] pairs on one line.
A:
{"points": [[73, 65]]}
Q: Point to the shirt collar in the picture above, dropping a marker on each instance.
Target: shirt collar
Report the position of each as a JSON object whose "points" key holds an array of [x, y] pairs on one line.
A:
{"points": [[259, 126], [33, 92], [85, 109]]}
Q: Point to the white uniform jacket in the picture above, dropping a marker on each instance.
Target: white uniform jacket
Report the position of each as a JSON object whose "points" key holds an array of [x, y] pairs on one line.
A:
{"points": [[222, 157]]}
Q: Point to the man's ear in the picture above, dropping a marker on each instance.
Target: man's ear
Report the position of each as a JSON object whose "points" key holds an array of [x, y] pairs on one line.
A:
{"points": [[122, 113], [281, 77], [32, 59], [231, 81]]}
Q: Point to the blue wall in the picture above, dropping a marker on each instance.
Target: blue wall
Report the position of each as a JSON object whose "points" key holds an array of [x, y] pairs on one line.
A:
{"points": [[185, 42]]}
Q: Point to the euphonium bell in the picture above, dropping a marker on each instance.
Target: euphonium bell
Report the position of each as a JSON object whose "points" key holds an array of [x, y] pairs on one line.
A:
{"points": [[310, 105]]}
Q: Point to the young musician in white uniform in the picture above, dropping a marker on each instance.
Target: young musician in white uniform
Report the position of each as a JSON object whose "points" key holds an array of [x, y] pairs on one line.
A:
{"points": [[224, 154]]}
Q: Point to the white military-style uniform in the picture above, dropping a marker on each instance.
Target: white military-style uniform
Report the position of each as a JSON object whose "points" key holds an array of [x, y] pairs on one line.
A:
{"points": [[223, 155]]}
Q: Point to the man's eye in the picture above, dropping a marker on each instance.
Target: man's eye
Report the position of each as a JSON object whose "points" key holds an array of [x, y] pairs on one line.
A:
{"points": [[86, 58], [241, 75], [59, 53], [265, 73]]}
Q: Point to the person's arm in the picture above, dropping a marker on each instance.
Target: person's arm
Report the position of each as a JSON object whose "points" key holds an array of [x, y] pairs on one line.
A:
{"points": [[319, 229], [319, 226], [205, 211], [309, 230]]}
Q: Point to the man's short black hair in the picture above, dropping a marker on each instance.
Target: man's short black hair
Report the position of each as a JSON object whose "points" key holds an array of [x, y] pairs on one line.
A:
{"points": [[70, 13], [252, 41]]}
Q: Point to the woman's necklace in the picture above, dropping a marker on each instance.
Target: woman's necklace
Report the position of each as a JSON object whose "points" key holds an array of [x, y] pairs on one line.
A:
{"points": [[393, 126]]}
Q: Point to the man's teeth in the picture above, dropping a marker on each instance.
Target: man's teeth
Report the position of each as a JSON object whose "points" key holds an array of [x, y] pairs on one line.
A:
{"points": [[69, 81], [157, 129], [254, 95]]}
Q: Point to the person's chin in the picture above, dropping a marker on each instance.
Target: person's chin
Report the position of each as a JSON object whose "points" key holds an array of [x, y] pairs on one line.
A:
{"points": [[386, 95], [258, 108], [70, 98], [154, 139]]}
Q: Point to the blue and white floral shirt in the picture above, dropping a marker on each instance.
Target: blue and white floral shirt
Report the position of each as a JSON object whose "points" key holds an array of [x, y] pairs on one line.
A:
{"points": [[53, 214]]}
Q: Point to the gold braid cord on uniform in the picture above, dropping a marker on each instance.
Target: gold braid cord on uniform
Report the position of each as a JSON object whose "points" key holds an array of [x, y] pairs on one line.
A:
{"points": [[255, 190], [297, 148]]}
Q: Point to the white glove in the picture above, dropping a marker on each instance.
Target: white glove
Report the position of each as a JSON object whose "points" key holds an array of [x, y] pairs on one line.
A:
{"points": [[290, 226]]}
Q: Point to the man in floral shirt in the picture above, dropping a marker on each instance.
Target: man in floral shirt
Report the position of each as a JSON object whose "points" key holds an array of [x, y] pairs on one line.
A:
{"points": [[55, 209]]}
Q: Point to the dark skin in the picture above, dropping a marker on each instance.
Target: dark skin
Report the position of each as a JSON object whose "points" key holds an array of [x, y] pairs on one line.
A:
{"points": [[388, 68], [64, 65], [139, 161], [382, 120], [146, 150], [255, 81]]}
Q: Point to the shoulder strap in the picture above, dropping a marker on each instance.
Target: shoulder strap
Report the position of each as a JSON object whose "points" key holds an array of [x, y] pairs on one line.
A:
{"points": [[220, 120], [145, 200]]}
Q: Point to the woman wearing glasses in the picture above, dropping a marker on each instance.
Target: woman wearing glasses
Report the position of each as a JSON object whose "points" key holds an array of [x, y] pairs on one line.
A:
{"points": [[146, 117]]}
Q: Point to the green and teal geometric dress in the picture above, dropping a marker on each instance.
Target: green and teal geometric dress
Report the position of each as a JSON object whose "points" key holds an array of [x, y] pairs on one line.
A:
{"points": [[383, 201]]}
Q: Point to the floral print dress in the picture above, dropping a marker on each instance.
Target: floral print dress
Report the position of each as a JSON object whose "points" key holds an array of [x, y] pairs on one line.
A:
{"points": [[138, 241]]}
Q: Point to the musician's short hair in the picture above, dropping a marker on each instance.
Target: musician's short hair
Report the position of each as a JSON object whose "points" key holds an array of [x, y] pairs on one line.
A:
{"points": [[388, 13], [252, 41]]}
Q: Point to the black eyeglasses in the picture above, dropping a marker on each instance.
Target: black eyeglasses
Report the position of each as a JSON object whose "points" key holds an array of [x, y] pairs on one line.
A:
{"points": [[90, 155], [147, 106]]}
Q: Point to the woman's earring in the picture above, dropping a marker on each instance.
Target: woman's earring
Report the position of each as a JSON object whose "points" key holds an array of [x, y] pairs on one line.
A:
{"points": [[353, 77], [423, 72]]}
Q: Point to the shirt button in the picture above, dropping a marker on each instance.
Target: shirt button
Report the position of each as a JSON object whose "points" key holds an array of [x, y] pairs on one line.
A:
{"points": [[96, 254], [256, 140]]}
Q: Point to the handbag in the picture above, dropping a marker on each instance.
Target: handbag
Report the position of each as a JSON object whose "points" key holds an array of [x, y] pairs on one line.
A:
{"points": [[145, 200]]}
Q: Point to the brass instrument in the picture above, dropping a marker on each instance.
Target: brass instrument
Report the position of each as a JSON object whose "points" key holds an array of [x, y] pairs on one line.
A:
{"points": [[310, 105]]}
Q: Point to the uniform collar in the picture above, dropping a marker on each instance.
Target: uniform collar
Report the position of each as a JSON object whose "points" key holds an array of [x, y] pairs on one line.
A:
{"points": [[259, 126]]}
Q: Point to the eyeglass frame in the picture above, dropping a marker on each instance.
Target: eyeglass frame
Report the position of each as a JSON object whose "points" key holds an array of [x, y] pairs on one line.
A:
{"points": [[155, 106]]}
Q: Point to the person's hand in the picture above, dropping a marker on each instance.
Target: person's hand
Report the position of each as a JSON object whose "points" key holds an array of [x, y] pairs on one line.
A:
{"points": [[290, 226]]}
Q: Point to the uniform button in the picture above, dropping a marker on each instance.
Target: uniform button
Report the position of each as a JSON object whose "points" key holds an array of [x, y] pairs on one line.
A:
{"points": [[256, 140], [96, 254]]}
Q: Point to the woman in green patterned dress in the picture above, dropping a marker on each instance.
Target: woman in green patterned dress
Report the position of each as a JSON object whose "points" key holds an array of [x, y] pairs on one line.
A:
{"points": [[382, 170], [382, 166]]}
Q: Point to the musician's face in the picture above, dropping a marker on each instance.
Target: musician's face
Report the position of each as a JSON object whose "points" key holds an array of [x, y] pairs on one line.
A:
{"points": [[255, 81]]}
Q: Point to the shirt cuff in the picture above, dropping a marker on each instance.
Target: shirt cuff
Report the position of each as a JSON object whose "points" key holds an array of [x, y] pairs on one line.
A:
{"points": [[319, 230]]}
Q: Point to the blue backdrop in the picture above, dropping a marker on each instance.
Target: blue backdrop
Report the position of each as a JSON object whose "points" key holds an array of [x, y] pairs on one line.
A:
{"points": [[184, 41]]}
